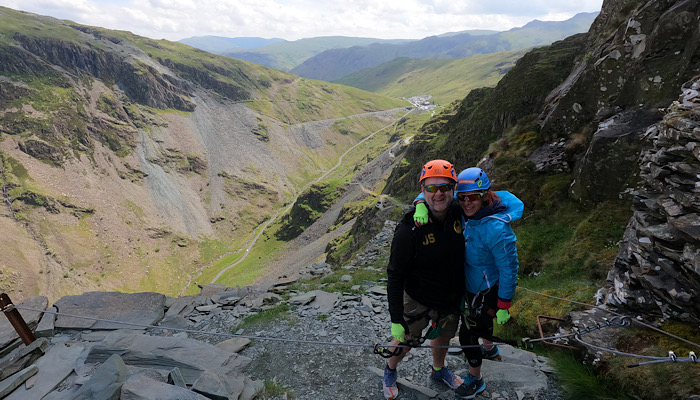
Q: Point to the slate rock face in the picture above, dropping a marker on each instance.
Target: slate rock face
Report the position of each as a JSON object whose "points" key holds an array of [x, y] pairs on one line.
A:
{"points": [[658, 267], [609, 165], [632, 65]]}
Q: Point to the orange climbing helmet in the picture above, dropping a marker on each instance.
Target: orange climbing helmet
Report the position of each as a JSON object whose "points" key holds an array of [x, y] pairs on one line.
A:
{"points": [[436, 168]]}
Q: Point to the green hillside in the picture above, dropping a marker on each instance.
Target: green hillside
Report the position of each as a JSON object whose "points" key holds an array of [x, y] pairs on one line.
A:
{"points": [[287, 55], [445, 80]]}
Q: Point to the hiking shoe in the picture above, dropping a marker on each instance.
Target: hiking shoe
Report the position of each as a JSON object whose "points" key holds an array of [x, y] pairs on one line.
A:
{"points": [[493, 354], [447, 377], [470, 388], [389, 384]]}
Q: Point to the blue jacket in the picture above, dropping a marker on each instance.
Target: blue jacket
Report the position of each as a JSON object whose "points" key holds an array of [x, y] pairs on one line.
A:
{"points": [[490, 253]]}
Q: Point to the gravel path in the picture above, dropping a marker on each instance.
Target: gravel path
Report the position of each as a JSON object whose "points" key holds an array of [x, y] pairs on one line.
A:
{"points": [[342, 364], [341, 368]]}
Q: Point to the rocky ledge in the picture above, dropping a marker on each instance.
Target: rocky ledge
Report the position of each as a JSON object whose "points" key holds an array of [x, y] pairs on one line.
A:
{"points": [[147, 346]]}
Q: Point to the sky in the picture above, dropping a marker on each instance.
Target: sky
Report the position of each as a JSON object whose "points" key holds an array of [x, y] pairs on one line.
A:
{"points": [[297, 19]]}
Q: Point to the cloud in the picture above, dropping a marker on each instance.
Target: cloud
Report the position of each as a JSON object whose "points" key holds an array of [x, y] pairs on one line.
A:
{"points": [[294, 19]]}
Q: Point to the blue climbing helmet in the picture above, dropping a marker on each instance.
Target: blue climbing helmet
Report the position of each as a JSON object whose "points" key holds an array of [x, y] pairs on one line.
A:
{"points": [[472, 179]]}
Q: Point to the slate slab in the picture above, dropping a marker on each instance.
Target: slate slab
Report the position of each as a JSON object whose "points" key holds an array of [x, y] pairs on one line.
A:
{"points": [[138, 308], [233, 345], [190, 356], [324, 301], [141, 387], [212, 289], [175, 378], [229, 297], [22, 357], [106, 381], [12, 382], [183, 306], [54, 367], [12, 346], [527, 378], [46, 325], [219, 387], [174, 321]]}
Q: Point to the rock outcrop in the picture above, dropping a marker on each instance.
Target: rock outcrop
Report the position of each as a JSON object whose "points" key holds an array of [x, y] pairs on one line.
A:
{"points": [[637, 54], [658, 267]]}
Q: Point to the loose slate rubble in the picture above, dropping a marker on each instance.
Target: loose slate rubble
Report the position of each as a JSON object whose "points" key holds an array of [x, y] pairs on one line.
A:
{"points": [[8, 385]]}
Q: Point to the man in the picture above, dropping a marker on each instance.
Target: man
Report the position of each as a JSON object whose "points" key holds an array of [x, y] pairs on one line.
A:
{"points": [[426, 276]]}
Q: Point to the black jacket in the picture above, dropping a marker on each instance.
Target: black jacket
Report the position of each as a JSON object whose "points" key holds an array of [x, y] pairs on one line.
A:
{"points": [[428, 263]]}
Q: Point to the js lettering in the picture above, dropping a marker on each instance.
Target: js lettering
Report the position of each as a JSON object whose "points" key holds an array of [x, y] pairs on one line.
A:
{"points": [[428, 239]]}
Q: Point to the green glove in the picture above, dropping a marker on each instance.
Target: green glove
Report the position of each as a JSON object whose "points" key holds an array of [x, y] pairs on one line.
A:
{"points": [[421, 214], [502, 316], [397, 331]]}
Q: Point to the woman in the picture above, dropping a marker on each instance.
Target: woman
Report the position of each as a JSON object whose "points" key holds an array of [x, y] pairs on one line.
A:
{"points": [[491, 267]]}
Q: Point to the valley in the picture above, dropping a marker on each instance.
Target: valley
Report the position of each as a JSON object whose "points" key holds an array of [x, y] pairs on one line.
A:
{"points": [[137, 165], [311, 245], [108, 189]]}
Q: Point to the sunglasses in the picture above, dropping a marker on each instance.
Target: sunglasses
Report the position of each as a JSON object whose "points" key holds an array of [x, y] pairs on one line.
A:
{"points": [[471, 197], [445, 187]]}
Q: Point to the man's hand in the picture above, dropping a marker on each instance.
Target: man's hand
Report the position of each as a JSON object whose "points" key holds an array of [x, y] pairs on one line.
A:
{"points": [[420, 216], [502, 316], [398, 331]]}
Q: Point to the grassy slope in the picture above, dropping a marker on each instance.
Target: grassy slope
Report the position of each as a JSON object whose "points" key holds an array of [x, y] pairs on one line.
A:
{"points": [[445, 80]]}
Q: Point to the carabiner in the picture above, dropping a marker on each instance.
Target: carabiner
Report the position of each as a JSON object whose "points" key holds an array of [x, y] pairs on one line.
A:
{"points": [[385, 352]]}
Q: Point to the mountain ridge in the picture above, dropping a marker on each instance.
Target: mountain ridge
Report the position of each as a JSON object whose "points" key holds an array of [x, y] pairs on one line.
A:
{"points": [[218, 44], [334, 64], [287, 55]]}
